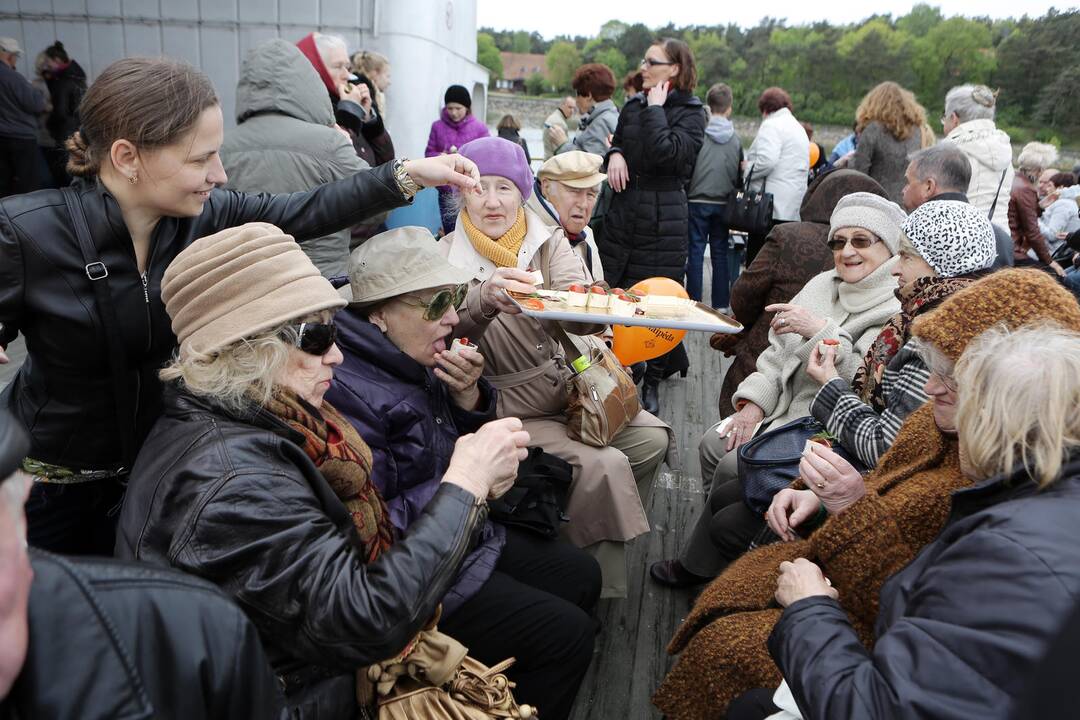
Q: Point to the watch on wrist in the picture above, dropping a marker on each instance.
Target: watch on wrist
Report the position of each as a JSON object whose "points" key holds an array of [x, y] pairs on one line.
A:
{"points": [[408, 186]]}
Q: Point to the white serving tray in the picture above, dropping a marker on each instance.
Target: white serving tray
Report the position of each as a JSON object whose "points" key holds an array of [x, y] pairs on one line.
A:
{"points": [[698, 316]]}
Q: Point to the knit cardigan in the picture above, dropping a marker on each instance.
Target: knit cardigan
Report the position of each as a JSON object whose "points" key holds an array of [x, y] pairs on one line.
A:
{"points": [[854, 314], [722, 641]]}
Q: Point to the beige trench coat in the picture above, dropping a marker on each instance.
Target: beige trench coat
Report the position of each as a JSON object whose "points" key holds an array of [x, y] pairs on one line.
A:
{"points": [[528, 367]]}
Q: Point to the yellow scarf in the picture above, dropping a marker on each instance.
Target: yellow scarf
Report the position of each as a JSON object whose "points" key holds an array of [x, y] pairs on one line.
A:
{"points": [[503, 251]]}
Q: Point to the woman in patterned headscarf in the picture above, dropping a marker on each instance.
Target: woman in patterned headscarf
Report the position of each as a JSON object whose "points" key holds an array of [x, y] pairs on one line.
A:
{"points": [[945, 246]]}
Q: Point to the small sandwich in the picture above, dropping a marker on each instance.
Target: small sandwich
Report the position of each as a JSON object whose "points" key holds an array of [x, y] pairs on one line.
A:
{"points": [[822, 438], [623, 305], [598, 298], [462, 342], [666, 306], [824, 345], [538, 277], [577, 297]]}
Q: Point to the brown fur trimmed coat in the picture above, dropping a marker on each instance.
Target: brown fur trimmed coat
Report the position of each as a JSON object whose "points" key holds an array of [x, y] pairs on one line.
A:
{"points": [[722, 641]]}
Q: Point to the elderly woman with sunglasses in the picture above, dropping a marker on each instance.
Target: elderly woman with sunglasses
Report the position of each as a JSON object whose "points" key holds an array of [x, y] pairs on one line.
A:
{"points": [[497, 239], [848, 306], [252, 481], [410, 394]]}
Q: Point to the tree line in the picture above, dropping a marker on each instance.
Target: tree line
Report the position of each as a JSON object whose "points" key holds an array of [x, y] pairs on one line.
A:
{"points": [[828, 68]]}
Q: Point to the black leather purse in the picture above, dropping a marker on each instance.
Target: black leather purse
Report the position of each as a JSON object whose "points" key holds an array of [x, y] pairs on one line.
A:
{"points": [[749, 211], [770, 462], [538, 497]]}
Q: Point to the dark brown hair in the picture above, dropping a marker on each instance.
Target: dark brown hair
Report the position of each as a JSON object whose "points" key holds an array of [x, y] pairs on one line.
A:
{"points": [[718, 98], [1063, 179], [808, 128], [151, 102], [679, 52], [773, 99], [594, 79], [633, 82]]}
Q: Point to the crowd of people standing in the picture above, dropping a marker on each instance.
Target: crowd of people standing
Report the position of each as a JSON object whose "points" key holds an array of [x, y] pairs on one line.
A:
{"points": [[296, 430]]}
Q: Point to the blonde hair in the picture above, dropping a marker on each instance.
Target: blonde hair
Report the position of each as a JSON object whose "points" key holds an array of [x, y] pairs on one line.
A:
{"points": [[1037, 156], [892, 106], [1019, 401], [366, 62]]}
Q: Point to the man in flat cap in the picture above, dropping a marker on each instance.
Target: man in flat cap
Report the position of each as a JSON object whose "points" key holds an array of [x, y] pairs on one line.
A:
{"points": [[20, 104], [566, 190]]}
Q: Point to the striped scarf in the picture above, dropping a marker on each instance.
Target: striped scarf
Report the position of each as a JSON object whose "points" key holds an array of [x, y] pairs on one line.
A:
{"points": [[344, 459], [502, 251]]}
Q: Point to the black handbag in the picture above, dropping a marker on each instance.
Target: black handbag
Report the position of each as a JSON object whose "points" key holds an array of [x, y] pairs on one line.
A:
{"points": [[770, 462], [749, 211], [538, 498]]}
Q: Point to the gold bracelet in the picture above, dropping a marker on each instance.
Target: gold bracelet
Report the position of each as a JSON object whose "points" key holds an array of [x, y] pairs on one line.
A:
{"points": [[406, 184]]}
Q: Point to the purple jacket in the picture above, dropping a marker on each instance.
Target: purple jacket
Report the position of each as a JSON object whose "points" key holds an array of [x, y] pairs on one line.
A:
{"points": [[406, 416], [445, 133]]}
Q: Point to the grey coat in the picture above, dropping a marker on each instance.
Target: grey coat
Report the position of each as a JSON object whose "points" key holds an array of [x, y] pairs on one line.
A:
{"points": [[884, 158], [595, 129], [285, 140]]}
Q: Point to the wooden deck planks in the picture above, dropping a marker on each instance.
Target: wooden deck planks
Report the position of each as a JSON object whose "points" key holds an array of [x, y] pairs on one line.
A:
{"points": [[630, 658]]}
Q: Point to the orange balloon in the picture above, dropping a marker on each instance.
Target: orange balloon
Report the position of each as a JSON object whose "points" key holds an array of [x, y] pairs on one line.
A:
{"points": [[636, 344], [815, 153]]}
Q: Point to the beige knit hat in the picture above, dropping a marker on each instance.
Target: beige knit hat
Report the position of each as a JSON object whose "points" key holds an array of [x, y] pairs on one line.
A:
{"points": [[869, 212], [239, 282]]}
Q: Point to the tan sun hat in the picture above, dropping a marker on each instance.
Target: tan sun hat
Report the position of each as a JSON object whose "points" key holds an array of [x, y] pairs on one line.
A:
{"points": [[10, 45], [576, 169], [397, 262], [239, 282]]}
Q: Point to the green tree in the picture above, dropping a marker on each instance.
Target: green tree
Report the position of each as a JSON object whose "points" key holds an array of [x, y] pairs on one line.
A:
{"points": [[521, 42], [612, 30], [614, 60], [953, 52], [562, 60], [921, 20], [634, 41], [536, 84], [487, 54], [1059, 102]]}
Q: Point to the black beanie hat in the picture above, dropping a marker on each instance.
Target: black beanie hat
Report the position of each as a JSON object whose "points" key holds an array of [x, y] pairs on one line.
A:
{"points": [[457, 94], [13, 445]]}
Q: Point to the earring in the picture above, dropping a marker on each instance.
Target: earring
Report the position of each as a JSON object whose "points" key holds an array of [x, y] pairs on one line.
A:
{"points": [[133, 179]]}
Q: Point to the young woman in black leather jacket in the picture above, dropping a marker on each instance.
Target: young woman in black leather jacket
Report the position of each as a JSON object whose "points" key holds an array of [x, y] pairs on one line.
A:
{"points": [[149, 184]]}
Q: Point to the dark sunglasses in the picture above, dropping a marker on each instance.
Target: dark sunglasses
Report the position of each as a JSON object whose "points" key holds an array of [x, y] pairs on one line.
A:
{"points": [[653, 63], [315, 338], [440, 302], [859, 243]]}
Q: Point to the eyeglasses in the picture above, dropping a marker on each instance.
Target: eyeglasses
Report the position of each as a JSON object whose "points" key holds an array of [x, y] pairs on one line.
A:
{"points": [[947, 380], [315, 338], [440, 302], [648, 61], [859, 243]]}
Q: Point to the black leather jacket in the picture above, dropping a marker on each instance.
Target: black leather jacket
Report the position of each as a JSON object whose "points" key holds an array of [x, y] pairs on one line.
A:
{"points": [[64, 393], [236, 500], [116, 640]]}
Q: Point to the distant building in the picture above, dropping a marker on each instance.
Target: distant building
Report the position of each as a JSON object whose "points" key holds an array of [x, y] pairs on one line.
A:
{"points": [[519, 67], [431, 43]]}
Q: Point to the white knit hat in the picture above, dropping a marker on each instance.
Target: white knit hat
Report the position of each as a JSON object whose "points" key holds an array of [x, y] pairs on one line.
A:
{"points": [[953, 237], [869, 212]]}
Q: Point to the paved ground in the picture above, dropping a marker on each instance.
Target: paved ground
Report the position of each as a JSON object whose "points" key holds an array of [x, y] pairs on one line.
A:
{"points": [[16, 352]]}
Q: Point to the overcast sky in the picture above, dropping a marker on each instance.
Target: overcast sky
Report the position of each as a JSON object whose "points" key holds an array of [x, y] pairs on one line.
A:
{"points": [[584, 17]]}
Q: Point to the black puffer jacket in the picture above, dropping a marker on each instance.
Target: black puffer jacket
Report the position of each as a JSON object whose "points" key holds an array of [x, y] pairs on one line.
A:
{"points": [[646, 228], [962, 629], [63, 393], [237, 501], [116, 640], [66, 89]]}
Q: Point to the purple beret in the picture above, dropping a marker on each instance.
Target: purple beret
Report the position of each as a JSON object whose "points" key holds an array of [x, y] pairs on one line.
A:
{"points": [[496, 156]]}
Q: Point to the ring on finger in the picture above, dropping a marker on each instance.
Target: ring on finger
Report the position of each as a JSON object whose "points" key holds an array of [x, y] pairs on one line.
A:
{"points": [[820, 485]]}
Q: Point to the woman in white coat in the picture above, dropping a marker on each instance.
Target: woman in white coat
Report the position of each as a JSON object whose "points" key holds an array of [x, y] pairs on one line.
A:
{"points": [[968, 122], [849, 305], [779, 159]]}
